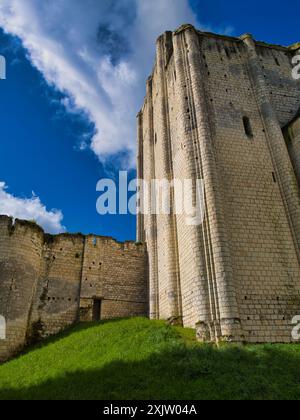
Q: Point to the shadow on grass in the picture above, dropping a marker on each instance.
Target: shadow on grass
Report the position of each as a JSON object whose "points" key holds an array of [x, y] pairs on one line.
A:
{"points": [[181, 372]]}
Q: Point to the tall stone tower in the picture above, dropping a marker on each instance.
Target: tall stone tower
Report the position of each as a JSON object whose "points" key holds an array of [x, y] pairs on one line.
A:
{"points": [[224, 110]]}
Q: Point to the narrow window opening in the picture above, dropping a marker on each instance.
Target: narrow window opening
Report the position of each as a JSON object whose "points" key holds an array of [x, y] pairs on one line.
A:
{"points": [[247, 127], [175, 75], [227, 52], [274, 177], [277, 61], [97, 304], [155, 138]]}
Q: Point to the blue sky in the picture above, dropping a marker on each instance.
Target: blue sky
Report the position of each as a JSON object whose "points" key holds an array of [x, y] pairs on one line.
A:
{"points": [[74, 85]]}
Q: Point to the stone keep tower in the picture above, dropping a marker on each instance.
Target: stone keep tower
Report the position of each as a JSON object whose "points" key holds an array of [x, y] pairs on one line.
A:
{"points": [[224, 110]]}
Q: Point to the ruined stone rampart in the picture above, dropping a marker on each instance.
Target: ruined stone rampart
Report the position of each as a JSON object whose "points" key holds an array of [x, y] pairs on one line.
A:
{"points": [[48, 283]]}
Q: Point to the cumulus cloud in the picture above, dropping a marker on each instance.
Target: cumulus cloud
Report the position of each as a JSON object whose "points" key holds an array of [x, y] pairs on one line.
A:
{"points": [[30, 209], [99, 53]]}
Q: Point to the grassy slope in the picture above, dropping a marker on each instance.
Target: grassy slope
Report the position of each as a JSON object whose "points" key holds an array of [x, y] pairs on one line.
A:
{"points": [[139, 359]]}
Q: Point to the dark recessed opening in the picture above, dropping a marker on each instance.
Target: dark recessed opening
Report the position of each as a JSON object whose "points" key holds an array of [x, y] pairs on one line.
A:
{"points": [[277, 61], [97, 303], [227, 52], [247, 127], [274, 177]]}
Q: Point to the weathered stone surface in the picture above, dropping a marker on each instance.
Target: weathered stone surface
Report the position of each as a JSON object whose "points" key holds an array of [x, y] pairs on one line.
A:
{"points": [[48, 283], [215, 109]]}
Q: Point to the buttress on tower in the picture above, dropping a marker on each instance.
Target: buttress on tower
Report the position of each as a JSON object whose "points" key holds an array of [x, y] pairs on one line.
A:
{"points": [[224, 110]]}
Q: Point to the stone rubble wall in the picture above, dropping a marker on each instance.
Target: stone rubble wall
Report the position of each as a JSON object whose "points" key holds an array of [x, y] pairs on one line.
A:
{"points": [[48, 283]]}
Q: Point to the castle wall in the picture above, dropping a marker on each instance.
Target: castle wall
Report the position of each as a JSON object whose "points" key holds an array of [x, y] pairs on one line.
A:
{"points": [[146, 172], [192, 254], [56, 302], [167, 260], [283, 89], [226, 105], [183, 169], [116, 274], [264, 259], [20, 264], [292, 135], [48, 283]]}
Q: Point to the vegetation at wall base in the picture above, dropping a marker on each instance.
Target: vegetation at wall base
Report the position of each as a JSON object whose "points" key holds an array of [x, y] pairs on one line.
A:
{"points": [[138, 359]]}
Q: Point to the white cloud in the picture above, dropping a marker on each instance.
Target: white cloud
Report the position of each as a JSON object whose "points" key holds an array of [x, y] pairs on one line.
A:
{"points": [[30, 209], [99, 52]]}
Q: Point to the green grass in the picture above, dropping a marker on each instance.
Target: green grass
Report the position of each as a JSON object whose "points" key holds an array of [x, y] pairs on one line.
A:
{"points": [[141, 359]]}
